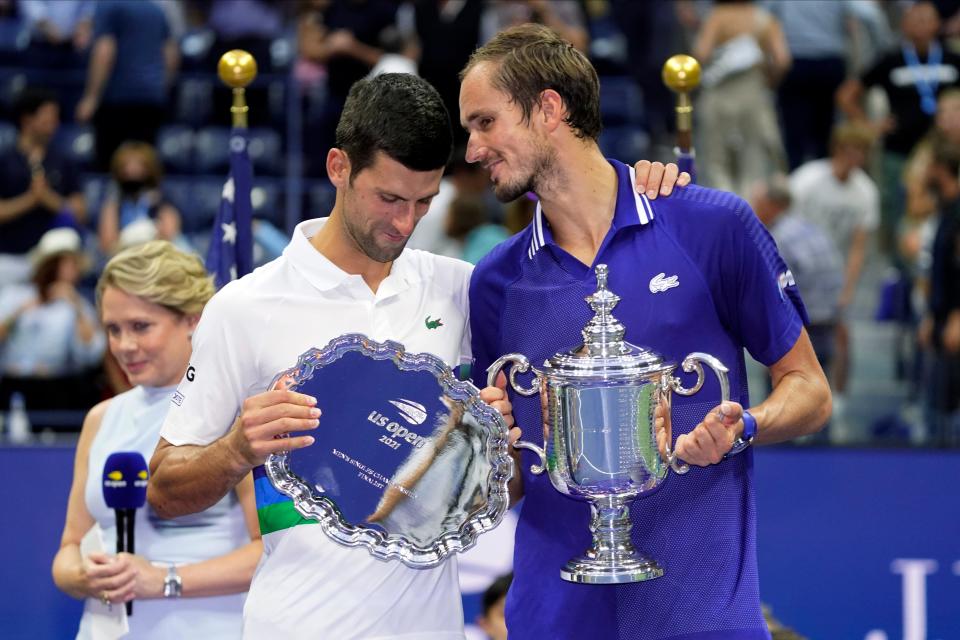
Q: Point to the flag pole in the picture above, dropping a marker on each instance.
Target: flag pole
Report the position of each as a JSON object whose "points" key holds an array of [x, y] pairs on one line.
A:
{"points": [[237, 69], [681, 73], [230, 254]]}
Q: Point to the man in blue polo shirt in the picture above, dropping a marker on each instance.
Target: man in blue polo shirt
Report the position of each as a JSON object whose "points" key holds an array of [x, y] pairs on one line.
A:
{"points": [[695, 272]]}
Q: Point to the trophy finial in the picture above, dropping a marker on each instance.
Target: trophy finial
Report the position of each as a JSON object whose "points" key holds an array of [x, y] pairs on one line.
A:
{"points": [[681, 73], [603, 335], [237, 68]]}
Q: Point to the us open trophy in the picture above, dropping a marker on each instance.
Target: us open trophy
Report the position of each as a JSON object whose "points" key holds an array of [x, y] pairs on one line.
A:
{"points": [[600, 443]]}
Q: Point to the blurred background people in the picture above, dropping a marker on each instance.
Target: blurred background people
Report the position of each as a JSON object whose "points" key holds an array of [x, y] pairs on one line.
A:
{"points": [[50, 341], [58, 30], [491, 620], [743, 51], [815, 263], [39, 186], [150, 299], [911, 76], [818, 35], [836, 194], [940, 329], [133, 60], [137, 195]]}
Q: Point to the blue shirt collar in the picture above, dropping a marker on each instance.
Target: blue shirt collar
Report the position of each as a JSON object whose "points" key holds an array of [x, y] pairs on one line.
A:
{"points": [[632, 208]]}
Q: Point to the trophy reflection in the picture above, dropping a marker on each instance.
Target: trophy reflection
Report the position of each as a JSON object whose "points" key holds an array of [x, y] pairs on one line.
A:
{"points": [[600, 406]]}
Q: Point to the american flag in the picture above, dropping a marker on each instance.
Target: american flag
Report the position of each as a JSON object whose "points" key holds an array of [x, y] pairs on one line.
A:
{"points": [[231, 246]]}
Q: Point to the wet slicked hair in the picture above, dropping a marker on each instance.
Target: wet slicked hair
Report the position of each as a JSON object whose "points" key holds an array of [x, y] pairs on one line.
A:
{"points": [[399, 114], [531, 58]]}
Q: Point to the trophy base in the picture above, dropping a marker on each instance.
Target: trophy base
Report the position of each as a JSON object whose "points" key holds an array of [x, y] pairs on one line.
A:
{"points": [[585, 570]]}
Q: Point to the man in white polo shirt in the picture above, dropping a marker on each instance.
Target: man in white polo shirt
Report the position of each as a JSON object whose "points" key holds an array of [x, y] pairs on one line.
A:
{"points": [[344, 274]]}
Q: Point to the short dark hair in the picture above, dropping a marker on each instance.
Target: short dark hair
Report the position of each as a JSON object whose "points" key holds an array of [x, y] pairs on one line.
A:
{"points": [[533, 58], [496, 591], [399, 114], [29, 101]]}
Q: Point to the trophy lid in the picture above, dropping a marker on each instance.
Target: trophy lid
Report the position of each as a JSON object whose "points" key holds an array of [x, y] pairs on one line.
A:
{"points": [[604, 353]]}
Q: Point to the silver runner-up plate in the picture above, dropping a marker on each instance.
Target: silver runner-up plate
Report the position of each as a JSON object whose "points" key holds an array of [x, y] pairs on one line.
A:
{"points": [[408, 461]]}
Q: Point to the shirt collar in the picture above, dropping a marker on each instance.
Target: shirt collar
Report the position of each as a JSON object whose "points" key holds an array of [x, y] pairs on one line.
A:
{"points": [[323, 274], [632, 208]]}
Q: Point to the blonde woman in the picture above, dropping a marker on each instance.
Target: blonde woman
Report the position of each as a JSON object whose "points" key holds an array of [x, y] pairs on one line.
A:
{"points": [[150, 298]]}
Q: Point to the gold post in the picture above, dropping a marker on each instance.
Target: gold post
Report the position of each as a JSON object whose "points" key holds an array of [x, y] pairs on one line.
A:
{"points": [[681, 73], [237, 69]]}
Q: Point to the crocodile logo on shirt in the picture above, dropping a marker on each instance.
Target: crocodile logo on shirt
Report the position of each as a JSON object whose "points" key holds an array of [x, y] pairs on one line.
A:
{"points": [[433, 324], [660, 283]]}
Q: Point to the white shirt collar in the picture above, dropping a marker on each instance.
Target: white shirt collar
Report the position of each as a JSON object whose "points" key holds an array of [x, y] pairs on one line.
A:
{"points": [[323, 274]]}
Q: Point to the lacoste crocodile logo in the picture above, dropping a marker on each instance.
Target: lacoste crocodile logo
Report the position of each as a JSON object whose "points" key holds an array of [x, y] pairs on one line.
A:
{"points": [[660, 283], [433, 324]]}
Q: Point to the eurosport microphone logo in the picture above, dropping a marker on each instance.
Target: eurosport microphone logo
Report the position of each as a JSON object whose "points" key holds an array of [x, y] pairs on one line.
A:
{"points": [[115, 480]]}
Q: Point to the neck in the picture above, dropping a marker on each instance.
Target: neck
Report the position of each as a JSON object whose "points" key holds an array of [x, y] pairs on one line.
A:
{"points": [[339, 247], [841, 170], [922, 47], [579, 199]]}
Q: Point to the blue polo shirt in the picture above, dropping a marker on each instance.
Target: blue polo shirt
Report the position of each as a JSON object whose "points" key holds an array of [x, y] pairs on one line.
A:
{"points": [[733, 291]]}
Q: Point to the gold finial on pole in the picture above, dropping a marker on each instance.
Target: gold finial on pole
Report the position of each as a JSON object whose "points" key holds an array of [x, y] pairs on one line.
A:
{"points": [[681, 73], [237, 69]]}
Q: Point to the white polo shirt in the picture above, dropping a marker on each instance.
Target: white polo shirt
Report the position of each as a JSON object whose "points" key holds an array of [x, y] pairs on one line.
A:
{"points": [[308, 586]]}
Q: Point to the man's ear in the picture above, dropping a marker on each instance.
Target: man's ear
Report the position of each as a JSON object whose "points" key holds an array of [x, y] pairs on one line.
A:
{"points": [[551, 109], [338, 167]]}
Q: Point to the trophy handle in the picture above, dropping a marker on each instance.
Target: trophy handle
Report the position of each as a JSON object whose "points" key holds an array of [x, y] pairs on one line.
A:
{"points": [[535, 469], [520, 365], [691, 364]]}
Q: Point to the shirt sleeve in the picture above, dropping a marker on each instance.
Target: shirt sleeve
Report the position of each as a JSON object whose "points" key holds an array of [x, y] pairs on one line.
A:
{"points": [[105, 20], [209, 396], [486, 299], [763, 309]]}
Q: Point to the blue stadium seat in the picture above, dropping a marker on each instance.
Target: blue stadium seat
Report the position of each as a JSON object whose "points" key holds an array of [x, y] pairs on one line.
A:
{"points": [[266, 199], [77, 142], [266, 151], [321, 196], [620, 101], [205, 196], [194, 101], [95, 186], [175, 146], [8, 136], [177, 189], [211, 150], [627, 144]]}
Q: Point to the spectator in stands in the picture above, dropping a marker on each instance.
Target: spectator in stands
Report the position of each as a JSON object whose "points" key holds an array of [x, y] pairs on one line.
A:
{"points": [[912, 77], [132, 64], [60, 32], [492, 620], [188, 573], [50, 339], [837, 194], [814, 261], [448, 33], [566, 18], [818, 37], [137, 175], [469, 226], [349, 49], [742, 48], [39, 187], [940, 329]]}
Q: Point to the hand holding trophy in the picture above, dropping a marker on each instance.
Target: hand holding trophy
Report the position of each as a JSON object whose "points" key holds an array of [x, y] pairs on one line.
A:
{"points": [[601, 402]]}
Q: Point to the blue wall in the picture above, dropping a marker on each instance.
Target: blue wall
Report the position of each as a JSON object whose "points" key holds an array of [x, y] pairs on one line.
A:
{"points": [[831, 525]]}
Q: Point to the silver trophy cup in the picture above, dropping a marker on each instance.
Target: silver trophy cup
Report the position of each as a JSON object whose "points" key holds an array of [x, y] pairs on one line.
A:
{"points": [[599, 405]]}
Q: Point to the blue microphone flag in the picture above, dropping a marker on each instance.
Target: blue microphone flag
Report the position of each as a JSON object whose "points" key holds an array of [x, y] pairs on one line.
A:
{"points": [[125, 480]]}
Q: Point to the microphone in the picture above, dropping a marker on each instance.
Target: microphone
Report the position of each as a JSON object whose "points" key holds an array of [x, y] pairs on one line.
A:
{"points": [[125, 490]]}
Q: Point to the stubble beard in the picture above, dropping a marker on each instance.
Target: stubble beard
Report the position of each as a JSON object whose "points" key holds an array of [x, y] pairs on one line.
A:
{"points": [[543, 167]]}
